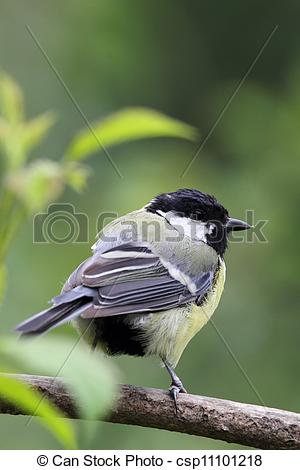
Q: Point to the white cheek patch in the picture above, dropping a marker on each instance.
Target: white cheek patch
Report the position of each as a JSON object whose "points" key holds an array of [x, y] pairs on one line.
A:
{"points": [[201, 230], [193, 229]]}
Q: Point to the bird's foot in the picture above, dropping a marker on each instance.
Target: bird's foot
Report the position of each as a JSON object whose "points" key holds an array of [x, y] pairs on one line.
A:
{"points": [[175, 389]]}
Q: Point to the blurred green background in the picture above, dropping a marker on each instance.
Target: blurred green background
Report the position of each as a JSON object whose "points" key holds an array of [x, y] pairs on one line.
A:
{"points": [[186, 60]]}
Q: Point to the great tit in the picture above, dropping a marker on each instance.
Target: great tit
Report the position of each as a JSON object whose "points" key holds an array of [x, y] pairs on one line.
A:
{"points": [[154, 279]]}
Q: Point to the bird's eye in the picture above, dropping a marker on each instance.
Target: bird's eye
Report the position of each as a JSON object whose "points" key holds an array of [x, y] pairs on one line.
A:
{"points": [[211, 226]]}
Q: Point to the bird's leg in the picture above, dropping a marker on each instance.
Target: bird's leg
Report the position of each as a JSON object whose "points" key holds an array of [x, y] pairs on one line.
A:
{"points": [[176, 384]]}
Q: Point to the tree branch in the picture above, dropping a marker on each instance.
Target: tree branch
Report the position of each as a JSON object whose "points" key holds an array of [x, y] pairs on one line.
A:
{"points": [[250, 425]]}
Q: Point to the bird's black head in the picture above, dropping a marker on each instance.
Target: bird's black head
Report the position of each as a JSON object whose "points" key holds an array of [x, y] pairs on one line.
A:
{"points": [[200, 207]]}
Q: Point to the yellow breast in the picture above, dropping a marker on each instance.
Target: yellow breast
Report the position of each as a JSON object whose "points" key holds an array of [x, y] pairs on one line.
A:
{"points": [[171, 331], [200, 315]]}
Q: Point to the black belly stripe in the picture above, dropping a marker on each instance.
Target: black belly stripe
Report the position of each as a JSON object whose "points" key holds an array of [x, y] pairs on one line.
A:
{"points": [[116, 336]]}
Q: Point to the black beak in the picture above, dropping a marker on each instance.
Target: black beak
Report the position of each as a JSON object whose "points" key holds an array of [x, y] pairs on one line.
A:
{"points": [[236, 224]]}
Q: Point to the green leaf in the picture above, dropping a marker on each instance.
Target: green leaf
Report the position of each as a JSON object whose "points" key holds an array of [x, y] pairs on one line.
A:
{"points": [[76, 175], [11, 121], [41, 182], [30, 401], [11, 100], [11, 143], [35, 131], [87, 373], [126, 125]]}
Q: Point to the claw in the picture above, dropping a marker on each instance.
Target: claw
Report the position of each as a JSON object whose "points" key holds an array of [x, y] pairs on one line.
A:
{"points": [[174, 390], [176, 385]]}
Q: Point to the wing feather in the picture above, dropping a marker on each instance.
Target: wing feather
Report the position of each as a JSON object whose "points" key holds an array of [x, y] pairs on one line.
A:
{"points": [[124, 280], [131, 279]]}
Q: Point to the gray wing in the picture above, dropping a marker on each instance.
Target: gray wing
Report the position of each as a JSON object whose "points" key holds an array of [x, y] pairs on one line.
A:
{"points": [[130, 279], [122, 280]]}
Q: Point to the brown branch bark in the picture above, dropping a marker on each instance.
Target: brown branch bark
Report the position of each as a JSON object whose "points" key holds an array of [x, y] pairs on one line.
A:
{"points": [[250, 425]]}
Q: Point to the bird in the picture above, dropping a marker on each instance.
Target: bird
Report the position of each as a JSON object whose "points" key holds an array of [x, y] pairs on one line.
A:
{"points": [[154, 279]]}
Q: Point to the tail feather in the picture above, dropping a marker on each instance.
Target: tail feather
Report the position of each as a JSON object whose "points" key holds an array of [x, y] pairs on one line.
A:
{"points": [[53, 316], [74, 294]]}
